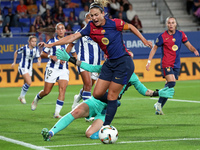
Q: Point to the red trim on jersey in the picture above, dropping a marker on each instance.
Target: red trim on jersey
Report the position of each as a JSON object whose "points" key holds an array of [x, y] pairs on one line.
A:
{"points": [[97, 33]]}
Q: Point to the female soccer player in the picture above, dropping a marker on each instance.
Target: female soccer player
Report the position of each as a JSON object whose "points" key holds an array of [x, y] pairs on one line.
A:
{"points": [[90, 52], [56, 70], [170, 41], [118, 68], [25, 67], [93, 107]]}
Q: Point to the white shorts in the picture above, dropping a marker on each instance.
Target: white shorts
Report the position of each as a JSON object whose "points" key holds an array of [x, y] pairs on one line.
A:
{"points": [[52, 75], [93, 75], [23, 71]]}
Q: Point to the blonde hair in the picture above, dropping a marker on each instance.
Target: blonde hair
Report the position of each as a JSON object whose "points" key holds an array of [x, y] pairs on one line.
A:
{"points": [[99, 4], [31, 37]]}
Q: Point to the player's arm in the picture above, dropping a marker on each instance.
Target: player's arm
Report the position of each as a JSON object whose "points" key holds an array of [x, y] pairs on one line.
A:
{"points": [[14, 60], [152, 53], [165, 92], [46, 55], [65, 40], [63, 55], [192, 48], [39, 61], [134, 30]]}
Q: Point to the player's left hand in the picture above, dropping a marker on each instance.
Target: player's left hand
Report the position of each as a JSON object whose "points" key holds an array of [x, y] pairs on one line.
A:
{"points": [[42, 44], [196, 53], [62, 55], [166, 92]]}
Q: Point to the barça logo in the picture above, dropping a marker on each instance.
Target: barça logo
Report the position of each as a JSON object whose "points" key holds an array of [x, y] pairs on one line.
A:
{"points": [[168, 69], [174, 40], [174, 47], [105, 41], [103, 31]]}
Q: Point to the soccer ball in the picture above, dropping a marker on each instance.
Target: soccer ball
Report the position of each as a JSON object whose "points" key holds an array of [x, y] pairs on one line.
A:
{"points": [[108, 134]]}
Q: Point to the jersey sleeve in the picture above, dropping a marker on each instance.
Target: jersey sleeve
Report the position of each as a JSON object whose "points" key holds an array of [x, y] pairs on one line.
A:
{"points": [[137, 84], [159, 40], [184, 37], [119, 24], [90, 68], [46, 49], [21, 50], [85, 31]]}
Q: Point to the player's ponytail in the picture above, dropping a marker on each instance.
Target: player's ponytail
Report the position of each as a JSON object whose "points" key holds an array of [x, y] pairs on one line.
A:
{"points": [[99, 4]]}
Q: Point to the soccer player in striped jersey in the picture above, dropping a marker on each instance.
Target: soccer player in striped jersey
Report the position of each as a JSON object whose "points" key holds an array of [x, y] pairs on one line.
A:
{"points": [[29, 52], [170, 41], [56, 71], [89, 52]]}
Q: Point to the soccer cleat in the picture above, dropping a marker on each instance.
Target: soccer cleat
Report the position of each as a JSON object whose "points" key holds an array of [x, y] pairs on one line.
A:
{"points": [[77, 98], [34, 103], [88, 120], [22, 99], [57, 115], [158, 109], [46, 134]]}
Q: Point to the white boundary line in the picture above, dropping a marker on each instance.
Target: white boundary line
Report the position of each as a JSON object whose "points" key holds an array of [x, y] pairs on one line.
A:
{"points": [[22, 143], [179, 100], [125, 142]]}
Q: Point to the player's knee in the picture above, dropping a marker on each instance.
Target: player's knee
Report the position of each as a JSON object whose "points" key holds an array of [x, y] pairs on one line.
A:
{"points": [[88, 134], [171, 84]]}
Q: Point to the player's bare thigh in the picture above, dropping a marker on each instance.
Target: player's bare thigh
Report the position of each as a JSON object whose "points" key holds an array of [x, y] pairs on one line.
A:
{"points": [[100, 88], [27, 78], [82, 110]]}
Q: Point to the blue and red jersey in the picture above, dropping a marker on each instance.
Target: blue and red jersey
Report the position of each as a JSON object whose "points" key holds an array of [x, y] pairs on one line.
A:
{"points": [[109, 37], [171, 45]]}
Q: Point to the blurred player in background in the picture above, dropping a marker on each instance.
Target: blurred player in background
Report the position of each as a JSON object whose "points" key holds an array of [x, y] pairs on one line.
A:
{"points": [[56, 71], [25, 67], [170, 42], [89, 52]]}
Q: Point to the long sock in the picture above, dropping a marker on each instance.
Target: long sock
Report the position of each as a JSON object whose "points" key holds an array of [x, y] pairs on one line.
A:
{"points": [[80, 93], [86, 95], [59, 105], [24, 90], [62, 123], [110, 111], [162, 99], [104, 98], [170, 85]]}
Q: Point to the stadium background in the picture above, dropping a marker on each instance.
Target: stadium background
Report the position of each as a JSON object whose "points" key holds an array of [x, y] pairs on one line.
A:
{"points": [[190, 65]]}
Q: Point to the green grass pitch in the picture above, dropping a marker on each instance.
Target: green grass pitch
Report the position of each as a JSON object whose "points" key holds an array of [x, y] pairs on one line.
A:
{"points": [[138, 126]]}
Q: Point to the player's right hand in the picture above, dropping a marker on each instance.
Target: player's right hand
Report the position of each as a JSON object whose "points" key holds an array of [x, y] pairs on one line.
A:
{"points": [[62, 55], [43, 44]]}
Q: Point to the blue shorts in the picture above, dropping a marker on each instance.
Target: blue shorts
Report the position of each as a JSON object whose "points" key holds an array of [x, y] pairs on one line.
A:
{"points": [[170, 70], [117, 70]]}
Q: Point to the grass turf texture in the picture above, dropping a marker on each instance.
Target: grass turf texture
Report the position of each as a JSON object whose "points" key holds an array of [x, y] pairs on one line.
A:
{"points": [[135, 120]]}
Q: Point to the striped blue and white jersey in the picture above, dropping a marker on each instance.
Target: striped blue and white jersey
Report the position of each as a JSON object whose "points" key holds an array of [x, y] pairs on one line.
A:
{"points": [[52, 51], [27, 56], [88, 51]]}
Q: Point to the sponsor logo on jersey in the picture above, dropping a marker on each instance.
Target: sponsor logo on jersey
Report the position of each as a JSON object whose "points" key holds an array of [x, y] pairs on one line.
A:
{"points": [[174, 47], [174, 40], [103, 31], [121, 22], [166, 38], [105, 41]]}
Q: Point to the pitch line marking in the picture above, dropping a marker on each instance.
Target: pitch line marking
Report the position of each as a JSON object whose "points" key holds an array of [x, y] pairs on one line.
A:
{"points": [[23, 143], [125, 142], [179, 100]]}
